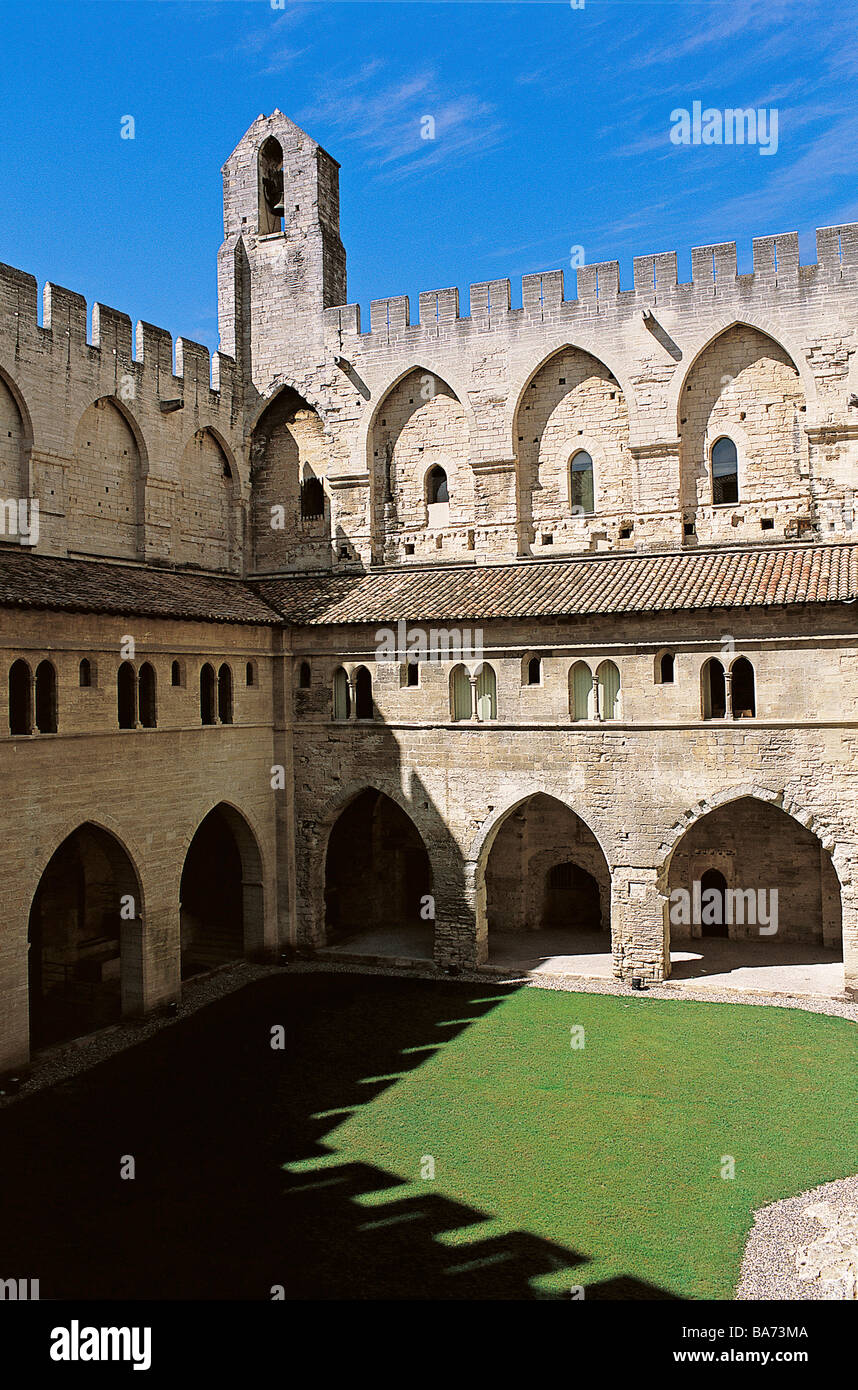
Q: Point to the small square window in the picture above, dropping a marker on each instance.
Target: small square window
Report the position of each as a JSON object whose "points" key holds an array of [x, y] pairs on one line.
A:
{"points": [[767, 524], [547, 538], [625, 532], [409, 547], [688, 528]]}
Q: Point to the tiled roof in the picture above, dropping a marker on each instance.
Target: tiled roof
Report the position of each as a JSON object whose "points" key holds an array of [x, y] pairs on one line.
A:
{"points": [[592, 584], [91, 586]]}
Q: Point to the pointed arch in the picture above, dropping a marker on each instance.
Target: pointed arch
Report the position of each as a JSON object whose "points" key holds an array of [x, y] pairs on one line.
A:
{"points": [[704, 341]]}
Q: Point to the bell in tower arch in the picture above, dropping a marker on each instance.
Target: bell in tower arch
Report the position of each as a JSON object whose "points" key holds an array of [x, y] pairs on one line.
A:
{"points": [[271, 207]]}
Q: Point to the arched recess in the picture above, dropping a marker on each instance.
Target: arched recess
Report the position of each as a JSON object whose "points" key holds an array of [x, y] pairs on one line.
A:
{"points": [[419, 424], [105, 480], [571, 403], [288, 446], [745, 386], [543, 885], [377, 880], [208, 522], [85, 938], [16, 441], [221, 894], [778, 873]]}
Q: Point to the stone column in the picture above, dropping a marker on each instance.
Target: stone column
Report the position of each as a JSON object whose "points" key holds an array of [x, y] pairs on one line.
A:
{"points": [[474, 712], [639, 930], [728, 694], [460, 924]]}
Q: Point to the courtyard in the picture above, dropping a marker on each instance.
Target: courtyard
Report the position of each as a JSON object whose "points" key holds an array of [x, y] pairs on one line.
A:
{"points": [[427, 1139]]}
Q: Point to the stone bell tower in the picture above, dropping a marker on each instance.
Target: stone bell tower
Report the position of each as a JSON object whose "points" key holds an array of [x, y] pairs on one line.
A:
{"points": [[282, 261]]}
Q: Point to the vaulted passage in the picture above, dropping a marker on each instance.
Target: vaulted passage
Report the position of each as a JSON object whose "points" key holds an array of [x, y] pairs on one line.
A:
{"points": [[377, 881], [547, 891], [79, 965], [752, 891], [221, 893]]}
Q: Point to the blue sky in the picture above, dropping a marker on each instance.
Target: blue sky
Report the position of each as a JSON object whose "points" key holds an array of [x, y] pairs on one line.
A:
{"points": [[551, 131]]}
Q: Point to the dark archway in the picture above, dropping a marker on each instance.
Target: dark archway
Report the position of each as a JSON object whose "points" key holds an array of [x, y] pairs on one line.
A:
{"points": [[46, 698], [220, 896], [378, 881], [126, 696], [20, 699], [80, 953], [713, 915]]}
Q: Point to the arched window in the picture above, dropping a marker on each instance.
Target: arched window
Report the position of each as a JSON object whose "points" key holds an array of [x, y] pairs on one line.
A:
{"points": [[364, 708], [250, 673], [342, 695], [665, 668], [304, 676], [461, 704], [725, 471], [270, 174], [20, 699], [742, 689], [581, 484], [608, 678], [146, 696], [487, 693], [46, 698], [436, 486], [534, 671], [207, 694], [580, 690], [714, 690], [85, 674], [126, 696], [312, 498], [175, 674], [224, 694]]}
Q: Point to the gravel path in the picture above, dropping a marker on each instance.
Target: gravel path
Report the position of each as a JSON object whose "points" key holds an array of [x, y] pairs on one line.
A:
{"points": [[805, 1247]]}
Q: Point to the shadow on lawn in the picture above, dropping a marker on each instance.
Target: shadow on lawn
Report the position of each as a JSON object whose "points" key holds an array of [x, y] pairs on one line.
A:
{"points": [[211, 1114]]}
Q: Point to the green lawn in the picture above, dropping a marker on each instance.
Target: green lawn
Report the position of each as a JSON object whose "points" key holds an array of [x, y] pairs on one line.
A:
{"points": [[615, 1150]]}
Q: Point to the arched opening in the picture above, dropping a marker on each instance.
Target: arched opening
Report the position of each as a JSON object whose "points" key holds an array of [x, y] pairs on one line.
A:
{"points": [[753, 900], [742, 690], [581, 484], [126, 696], [20, 699], [487, 693], [725, 472], [534, 671], [547, 891], [304, 676], [84, 674], [581, 697], [207, 694], [13, 446], [608, 678], [175, 674], [714, 689], [250, 674], [289, 463], [461, 702], [224, 694], [270, 187], [146, 696], [312, 499], [205, 531], [665, 668], [104, 480], [436, 486], [221, 899], [364, 707], [46, 698], [342, 695], [378, 881], [84, 938]]}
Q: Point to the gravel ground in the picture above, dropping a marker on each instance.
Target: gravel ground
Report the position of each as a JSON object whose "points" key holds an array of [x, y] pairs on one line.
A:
{"points": [[69, 1059], [805, 1247]]}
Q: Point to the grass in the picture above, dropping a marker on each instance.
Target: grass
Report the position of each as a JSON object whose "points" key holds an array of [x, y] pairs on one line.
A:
{"points": [[615, 1150]]}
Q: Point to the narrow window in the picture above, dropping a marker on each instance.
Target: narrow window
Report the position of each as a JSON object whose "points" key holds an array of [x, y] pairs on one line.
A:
{"points": [[224, 694], [436, 486], [580, 690], [304, 676], [175, 674], [85, 674], [312, 498], [342, 696], [412, 675], [20, 699], [725, 472], [46, 698], [608, 677], [581, 484], [742, 689], [666, 668], [487, 696], [146, 696], [250, 673], [460, 693], [207, 694], [534, 671], [364, 708], [270, 174], [126, 696], [714, 690]]}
